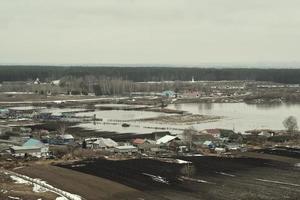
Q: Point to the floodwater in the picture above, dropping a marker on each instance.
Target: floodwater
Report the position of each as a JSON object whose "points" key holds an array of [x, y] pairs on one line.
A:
{"points": [[112, 121], [123, 115], [242, 116], [120, 106], [238, 116]]}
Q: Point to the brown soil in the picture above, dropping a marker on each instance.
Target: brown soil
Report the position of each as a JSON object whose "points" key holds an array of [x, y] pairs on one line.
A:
{"points": [[87, 186], [8, 188]]}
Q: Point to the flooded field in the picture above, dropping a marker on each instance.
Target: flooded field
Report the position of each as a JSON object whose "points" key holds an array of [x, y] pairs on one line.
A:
{"points": [[122, 115], [238, 116], [112, 120], [119, 106], [242, 116]]}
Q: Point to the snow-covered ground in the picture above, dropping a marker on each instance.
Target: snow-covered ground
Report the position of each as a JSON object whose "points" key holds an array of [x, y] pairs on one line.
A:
{"points": [[42, 186]]}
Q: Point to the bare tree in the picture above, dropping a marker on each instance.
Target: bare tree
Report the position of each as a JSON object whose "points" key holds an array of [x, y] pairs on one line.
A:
{"points": [[61, 128], [291, 124], [188, 135]]}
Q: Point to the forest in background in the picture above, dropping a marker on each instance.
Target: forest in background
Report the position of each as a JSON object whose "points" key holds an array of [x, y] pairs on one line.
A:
{"points": [[142, 74]]}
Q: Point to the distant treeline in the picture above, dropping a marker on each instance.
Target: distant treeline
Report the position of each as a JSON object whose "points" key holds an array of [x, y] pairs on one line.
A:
{"points": [[140, 74]]}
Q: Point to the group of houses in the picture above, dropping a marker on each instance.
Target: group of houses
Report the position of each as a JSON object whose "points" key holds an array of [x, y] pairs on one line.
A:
{"points": [[211, 140], [19, 141], [39, 114], [35, 86], [160, 143], [137, 145], [36, 144], [25, 147]]}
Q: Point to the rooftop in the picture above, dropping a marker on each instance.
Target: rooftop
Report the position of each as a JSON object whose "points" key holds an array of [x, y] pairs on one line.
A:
{"points": [[166, 139], [126, 147], [105, 142], [33, 143]]}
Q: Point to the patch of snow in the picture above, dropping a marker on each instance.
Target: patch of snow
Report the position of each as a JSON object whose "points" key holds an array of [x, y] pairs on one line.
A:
{"points": [[3, 191], [17, 92], [38, 188], [16, 198], [297, 165], [19, 180], [157, 178], [182, 161], [226, 174], [61, 198], [195, 180], [19, 167], [194, 155], [278, 182], [42, 186]]}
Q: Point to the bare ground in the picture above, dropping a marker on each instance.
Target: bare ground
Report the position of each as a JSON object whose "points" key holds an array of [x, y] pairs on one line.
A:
{"points": [[9, 190], [88, 186], [261, 177]]}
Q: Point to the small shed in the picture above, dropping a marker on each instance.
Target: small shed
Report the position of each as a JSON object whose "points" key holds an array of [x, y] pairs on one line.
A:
{"points": [[138, 141], [68, 114], [66, 138], [167, 139], [4, 113], [216, 133], [209, 144], [126, 149], [146, 145], [104, 143], [168, 94]]}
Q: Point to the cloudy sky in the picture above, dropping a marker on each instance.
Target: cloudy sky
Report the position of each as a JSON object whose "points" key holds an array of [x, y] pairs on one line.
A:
{"points": [[149, 31]]}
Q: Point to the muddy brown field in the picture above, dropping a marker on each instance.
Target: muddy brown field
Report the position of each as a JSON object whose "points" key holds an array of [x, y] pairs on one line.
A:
{"points": [[206, 178]]}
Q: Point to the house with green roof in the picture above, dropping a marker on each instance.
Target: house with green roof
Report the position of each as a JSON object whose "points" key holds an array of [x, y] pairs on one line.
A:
{"points": [[31, 147]]}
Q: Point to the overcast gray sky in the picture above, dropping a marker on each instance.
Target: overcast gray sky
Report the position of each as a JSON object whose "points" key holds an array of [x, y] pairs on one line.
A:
{"points": [[149, 31]]}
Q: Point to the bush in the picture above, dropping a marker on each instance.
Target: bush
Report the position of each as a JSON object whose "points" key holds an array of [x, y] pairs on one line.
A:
{"points": [[75, 92], [280, 138], [226, 133], [61, 151]]}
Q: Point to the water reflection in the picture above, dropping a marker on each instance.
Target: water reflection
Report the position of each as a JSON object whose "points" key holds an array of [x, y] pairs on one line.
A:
{"points": [[204, 106], [200, 107], [208, 106], [178, 106], [268, 106], [242, 116]]}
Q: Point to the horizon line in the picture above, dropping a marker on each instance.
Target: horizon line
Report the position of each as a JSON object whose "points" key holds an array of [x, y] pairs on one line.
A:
{"points": [[284, 65]]}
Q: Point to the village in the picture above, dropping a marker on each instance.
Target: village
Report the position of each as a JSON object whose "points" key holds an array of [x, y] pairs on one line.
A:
{"points": [[149, 100], [78, 131], [23, 135]]}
